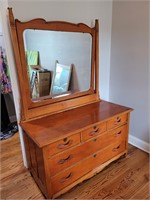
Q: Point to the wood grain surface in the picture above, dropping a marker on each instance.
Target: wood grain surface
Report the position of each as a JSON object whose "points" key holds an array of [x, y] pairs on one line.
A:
{"points": [[126, 178], [63, 124]]}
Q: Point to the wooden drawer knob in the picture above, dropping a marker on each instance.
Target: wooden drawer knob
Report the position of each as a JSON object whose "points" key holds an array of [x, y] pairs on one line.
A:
{"points": [[62, 180], [62, 146], [62, 161], [94, 155], [95, 139]]}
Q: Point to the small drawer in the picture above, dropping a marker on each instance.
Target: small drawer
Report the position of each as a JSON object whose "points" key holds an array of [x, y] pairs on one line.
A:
{"points": [[93, 131], [116, 121], [62, 145]]}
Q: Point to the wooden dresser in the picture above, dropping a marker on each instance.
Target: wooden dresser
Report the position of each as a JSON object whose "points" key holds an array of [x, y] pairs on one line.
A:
{"points": [[66, 148], [68, 138]]}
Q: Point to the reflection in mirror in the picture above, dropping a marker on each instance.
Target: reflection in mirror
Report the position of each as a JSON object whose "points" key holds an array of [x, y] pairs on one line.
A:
{"points": [[61, 79], [43, 50]]}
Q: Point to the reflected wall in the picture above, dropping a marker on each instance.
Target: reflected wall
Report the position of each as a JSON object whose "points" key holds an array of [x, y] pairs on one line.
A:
{"points": [[66, 48]]}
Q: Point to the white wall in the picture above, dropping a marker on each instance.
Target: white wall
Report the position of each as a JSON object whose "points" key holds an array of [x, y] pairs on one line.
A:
{"points": [[1, 35], [129, 71]]}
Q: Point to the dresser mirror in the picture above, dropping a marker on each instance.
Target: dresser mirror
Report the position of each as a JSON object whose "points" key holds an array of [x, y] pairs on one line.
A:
{"points": [[57, 64], [45, 49]]}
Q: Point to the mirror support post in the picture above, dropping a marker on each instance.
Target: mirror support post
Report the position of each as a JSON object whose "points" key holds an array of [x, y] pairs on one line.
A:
{"points": [[97, 59]]}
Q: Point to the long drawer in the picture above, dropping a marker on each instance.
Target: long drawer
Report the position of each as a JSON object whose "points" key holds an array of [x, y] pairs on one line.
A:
{"points": [[76, 154], [75, 172]]}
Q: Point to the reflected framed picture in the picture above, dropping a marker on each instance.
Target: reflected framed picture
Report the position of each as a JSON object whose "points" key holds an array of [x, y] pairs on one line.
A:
{"points": [[61, 79]]}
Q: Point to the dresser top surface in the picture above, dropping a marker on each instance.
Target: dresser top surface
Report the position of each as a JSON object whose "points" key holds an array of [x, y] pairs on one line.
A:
{"points": [[50, 128]]}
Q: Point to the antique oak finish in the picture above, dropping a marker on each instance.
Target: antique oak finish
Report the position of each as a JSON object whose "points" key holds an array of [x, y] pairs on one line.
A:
{"points": [[69, 140]]}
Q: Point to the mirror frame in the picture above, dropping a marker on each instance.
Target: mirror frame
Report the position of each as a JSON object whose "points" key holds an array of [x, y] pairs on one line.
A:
{"points": [[48, 106]]}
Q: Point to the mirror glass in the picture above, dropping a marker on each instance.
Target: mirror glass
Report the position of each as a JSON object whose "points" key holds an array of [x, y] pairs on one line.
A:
{"points": [[55, 58]]}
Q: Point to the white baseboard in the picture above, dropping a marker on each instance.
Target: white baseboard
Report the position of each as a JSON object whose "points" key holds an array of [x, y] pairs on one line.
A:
{"points": [[139, 143]]}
